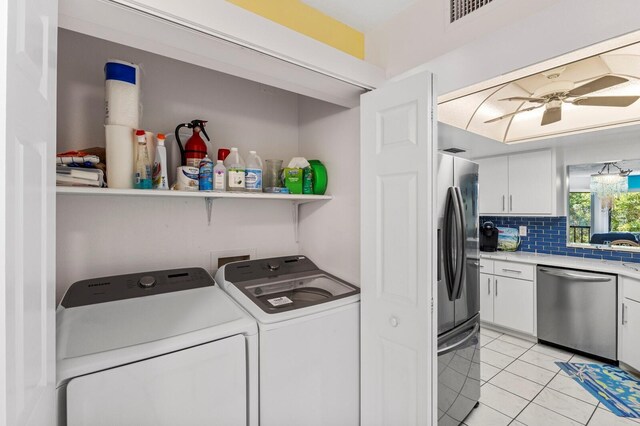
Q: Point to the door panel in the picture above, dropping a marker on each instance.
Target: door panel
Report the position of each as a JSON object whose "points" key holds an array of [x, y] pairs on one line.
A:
{"points": [[27, 193], [494, 185], [486, 297], [466, 178], [204, 384], [630, 329], [398, 252], [446, 312], [513, 304], [527, 198]]}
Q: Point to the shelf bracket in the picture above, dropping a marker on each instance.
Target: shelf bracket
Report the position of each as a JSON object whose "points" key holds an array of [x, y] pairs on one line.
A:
{"points": [[208, 202], [296, 211]]}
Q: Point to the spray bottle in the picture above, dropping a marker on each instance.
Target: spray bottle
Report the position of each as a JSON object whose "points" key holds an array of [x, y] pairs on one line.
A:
{"points": [[160, 180], [142, 178], [195, 148]]}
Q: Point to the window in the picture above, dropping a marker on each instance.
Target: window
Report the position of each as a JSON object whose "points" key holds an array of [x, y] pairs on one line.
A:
{"points": [[625, 214], [579, 217]]}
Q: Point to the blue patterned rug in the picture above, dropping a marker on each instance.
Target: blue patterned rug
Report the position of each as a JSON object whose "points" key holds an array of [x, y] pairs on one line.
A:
{"points": [[618, 390]]}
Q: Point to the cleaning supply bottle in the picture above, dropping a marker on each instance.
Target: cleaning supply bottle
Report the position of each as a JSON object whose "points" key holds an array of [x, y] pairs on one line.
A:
{"points": [[143, 164], [195, 149], [160, 180], [235, 171], [253, 172], [206, 174], [220, 177]]}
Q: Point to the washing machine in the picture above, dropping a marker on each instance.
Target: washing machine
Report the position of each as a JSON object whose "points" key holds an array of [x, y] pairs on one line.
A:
{"points": [[309, 328], [155, 348]]}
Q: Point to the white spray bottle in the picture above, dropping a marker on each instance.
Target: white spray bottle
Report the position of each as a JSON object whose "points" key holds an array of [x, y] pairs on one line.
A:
{"points": [[160, 180]]}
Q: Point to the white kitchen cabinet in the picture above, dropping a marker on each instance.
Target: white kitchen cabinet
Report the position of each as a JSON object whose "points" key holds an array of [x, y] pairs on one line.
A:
{"points": [[518, 184], [531, 183], [513, 304], [630, 323], [493, 184], [507, 295], [486, 297]]}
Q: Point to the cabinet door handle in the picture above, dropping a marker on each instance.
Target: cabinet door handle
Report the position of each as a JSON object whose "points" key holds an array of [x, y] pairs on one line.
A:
{"points": [[496, 287], [510, 203], [624, 315], [503, 197], [488, 285], [515, 271]]}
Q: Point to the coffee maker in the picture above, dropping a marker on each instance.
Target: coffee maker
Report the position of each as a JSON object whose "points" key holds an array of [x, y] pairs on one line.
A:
{"points": [[488, 237]]}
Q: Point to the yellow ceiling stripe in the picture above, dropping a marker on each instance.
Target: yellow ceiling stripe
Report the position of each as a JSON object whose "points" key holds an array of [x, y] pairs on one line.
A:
{"points": [[311, 22]]}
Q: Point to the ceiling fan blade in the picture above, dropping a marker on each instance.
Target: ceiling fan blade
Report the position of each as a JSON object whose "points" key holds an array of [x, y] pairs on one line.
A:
{"points": [[551, 115], [512, 114], [611, 101], [597, 84], [520, 98]]}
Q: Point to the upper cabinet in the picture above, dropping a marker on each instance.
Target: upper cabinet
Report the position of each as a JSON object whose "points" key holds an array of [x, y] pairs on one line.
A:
{"points": [[226, 38], [518, 184], [494, 185]]}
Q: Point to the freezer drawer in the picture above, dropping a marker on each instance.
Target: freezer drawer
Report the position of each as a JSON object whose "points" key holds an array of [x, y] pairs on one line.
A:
{"points": [[458, 372], [578, 310]]}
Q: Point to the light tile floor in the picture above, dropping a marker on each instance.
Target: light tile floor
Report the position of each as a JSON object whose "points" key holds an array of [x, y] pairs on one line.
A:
{"points": [[521, 385]]}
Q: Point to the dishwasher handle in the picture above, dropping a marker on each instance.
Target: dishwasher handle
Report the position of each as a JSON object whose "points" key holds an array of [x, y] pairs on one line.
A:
{"points": [[575, 277]]}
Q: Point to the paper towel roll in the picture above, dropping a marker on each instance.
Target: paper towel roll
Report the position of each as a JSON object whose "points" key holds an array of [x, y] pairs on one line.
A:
{"points": [[120, 156], [122, 93]]}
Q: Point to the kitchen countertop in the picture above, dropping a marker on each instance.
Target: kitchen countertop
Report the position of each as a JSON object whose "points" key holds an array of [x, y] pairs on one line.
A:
{"points": [[607, 266]]}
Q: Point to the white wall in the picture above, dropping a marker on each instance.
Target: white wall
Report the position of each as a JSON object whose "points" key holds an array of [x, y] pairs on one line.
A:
{"points": [[330, 232], [422, 31], [516, 34], [99, 236]]}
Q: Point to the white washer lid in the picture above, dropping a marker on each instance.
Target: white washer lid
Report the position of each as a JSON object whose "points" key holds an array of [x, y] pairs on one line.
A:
{"points": [[104, 335]]}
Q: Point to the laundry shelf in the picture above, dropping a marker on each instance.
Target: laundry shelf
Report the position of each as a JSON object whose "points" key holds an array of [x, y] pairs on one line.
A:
{"points": [[76, 190], [208, 197]]}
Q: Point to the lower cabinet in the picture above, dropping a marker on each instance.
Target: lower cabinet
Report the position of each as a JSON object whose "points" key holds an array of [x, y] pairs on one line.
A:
{"points": [[507, 301], [630, 328], [513, 304], [486, 297]]}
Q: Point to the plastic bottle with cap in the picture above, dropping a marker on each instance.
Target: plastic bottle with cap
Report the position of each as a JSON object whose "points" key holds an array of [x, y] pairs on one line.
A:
{"points": [[142, 177], [220, 177], [235, 171], [160, 180], [253, 172]]}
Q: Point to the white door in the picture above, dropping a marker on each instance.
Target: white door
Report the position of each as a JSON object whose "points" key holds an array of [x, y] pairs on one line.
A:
{"points": [[28, 31], [513, 304], [486, 297], [398, 252], [493, 185], [629, 333], [531, 180]]}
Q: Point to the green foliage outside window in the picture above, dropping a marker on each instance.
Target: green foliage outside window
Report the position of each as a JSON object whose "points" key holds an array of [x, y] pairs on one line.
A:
{"points": [[579, 217], [625, 215]]}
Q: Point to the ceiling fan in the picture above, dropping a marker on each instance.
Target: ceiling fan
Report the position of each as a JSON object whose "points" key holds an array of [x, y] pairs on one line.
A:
{"points": [[553, 95]]}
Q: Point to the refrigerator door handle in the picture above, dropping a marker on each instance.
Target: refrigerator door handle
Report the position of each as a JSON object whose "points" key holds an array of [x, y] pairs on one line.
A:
{"points": [[447, 245], [461, 233], [460, 343]]}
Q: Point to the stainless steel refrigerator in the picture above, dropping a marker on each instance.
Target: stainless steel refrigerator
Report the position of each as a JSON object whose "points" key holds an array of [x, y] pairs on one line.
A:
{"points": [[458, 290]]}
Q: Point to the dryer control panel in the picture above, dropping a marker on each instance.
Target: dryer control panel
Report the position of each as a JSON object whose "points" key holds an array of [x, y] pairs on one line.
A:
{"points": [[120, 287]]}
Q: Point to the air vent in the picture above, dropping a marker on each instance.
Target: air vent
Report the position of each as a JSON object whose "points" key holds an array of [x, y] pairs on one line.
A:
{"points": [[460, 8], [454, 150]]}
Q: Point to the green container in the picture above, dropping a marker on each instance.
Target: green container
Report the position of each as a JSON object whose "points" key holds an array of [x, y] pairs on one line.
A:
{"points": [[293, 179]]}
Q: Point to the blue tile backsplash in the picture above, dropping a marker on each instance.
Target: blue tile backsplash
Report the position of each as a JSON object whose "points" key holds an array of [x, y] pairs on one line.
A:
{"points": [[549, 235]]}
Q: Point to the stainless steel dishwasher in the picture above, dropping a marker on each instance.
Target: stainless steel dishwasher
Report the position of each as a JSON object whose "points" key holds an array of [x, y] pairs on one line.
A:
{"points": [[578, 310]]}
